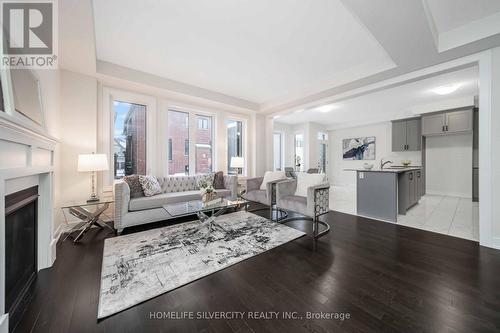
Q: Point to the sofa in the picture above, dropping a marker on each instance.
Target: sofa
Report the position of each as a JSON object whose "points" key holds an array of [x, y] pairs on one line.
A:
{"points": [[142, 210]]}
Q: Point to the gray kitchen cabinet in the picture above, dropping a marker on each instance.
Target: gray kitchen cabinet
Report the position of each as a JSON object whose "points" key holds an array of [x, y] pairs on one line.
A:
{"points": [[459, 121], [409, 189], [413, 134], [433, 124], [447, 122], [419, 184], [406, 135]]}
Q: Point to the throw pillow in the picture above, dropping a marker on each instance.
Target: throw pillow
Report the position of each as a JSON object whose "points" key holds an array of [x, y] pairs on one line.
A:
{"points": [[306, 180], [150, 185], [271, 176], [219, 180], [135, 186]]}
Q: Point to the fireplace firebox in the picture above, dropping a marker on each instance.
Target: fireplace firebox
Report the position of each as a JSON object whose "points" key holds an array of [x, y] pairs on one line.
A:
{"points": [[20, 251]]}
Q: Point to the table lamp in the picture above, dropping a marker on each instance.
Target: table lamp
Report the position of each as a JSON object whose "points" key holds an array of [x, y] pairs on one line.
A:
{"points": [[237, 163], [92, 163]]}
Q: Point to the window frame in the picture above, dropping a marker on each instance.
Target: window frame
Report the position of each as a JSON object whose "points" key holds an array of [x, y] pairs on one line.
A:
{"points": [[106, 131], [192, 114], [282, 150]]}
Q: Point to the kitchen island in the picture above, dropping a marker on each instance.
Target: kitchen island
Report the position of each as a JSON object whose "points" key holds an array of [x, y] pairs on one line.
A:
{"points": [[384, 193]]}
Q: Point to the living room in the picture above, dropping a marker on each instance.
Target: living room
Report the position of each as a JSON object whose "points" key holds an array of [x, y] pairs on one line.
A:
{"points": [[181, 166]]}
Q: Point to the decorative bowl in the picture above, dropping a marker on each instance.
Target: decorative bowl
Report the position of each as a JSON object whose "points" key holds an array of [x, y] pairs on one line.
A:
{"points": [[367, 166], [406, 163]]}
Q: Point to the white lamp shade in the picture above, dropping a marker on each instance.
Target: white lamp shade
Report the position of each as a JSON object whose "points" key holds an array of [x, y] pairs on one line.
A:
{"points": [[237, 162], [92, 162]]}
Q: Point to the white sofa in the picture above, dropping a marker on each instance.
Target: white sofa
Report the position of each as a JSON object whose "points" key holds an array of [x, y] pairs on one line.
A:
{"points": [[142, 210]]}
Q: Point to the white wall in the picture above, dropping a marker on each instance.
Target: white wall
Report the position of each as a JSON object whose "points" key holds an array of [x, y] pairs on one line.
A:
{"points": [[383, 134], [78, 132], [449, 165]]}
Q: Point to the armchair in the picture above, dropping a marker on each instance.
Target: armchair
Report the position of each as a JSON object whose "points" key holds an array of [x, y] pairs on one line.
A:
{"points": [[313, 206], [266, 197]]}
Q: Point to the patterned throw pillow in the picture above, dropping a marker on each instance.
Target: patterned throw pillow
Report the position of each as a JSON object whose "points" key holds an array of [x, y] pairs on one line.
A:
{"points": [[135, 186], [219, 180], [150, 185]]}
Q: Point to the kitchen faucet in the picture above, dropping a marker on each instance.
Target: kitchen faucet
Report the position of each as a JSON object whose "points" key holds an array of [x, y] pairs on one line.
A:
{"points": [[382, 163]]}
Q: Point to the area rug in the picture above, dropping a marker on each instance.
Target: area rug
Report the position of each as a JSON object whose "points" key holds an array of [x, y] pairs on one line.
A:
{"points": [[146, 264]]}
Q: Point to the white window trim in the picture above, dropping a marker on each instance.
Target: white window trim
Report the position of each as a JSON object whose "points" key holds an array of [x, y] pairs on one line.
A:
{"points": [[106, 131], [282, 147], [193, 125], [244, 146]]}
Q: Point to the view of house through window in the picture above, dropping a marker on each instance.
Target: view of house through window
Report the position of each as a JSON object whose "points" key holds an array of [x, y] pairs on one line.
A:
{"points": [[203, 144], [278, 153], [178, 135], [234, 143], [129, 141], [299, 152]]}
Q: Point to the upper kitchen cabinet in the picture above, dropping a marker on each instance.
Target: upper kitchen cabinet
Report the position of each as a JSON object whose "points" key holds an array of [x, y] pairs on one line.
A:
{"points": [[447, 122], [406, 135]]}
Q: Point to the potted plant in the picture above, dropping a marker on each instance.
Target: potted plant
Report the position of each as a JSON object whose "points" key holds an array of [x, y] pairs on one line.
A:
{"points": [[208, 192]]}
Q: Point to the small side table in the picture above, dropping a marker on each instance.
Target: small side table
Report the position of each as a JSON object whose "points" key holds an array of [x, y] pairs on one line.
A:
{"points": [[89, 213]]}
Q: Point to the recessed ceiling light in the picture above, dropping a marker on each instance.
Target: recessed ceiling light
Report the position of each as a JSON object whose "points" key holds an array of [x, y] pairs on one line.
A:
{"points": [[276, 117], [445, 90], [326, 108]]}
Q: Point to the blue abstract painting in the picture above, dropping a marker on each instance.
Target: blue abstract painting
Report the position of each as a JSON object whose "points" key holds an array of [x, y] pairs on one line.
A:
{"points": [[362, 148]]}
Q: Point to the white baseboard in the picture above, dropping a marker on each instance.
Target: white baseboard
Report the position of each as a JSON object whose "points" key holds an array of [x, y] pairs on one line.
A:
{"points": [[450, 194], [4, 323]]}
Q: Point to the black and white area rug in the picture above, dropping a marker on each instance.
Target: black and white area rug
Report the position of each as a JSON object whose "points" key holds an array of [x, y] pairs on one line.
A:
{"points": [[146, 264]]}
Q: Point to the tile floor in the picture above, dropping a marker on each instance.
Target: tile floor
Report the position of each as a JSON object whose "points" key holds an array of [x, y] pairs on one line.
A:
{"points": [[453, 216]]}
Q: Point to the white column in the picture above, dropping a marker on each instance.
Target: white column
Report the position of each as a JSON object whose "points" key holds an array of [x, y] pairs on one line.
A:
{"points": [[489, 151]]}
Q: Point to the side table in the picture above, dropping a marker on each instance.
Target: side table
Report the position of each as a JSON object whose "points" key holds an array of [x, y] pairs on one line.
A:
{"points": [[89, 213]]}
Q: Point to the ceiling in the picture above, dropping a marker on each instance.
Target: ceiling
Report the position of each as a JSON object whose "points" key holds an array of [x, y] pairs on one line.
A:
{"points": [[398, 102], [259, 50], [452, 14], [270, 56]]}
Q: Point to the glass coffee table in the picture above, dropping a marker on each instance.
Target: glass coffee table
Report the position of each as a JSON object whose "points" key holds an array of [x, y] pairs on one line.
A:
{"points": [[201, 209]]}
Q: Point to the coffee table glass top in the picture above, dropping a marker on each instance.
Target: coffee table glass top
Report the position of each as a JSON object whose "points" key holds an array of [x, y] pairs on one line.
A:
{"points": [[196, 206]]}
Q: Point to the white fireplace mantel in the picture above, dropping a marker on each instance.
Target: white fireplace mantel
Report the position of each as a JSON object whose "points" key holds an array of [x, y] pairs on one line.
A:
{"points": [[26, 159]]}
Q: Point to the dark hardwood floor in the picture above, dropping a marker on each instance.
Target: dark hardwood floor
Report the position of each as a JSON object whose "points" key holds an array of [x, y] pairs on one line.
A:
{"points": [[389, 278]]}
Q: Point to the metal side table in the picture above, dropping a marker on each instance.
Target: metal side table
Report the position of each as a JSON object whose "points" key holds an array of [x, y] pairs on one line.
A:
{"points": [[89, 213]]}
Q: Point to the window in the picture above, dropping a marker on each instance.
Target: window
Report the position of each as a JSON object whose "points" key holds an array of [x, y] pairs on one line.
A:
{"points": [[129, 139], [203, 144], [234, 142], [170, 149], [203, 122], [178, 135], [299, 152], [278, 151], [322, 157], [322, 136]]}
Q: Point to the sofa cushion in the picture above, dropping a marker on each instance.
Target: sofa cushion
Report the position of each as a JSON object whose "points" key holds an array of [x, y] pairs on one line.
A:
{"points": [[223, 193], [257, 196], [157, 201], [294, 203]]}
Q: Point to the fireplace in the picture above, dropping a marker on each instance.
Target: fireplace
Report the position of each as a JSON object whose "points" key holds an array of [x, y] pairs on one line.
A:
{"points": [[20, 251]]}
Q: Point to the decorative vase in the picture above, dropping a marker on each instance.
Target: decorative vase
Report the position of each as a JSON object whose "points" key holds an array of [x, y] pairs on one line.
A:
{"points": [[209, 196]]}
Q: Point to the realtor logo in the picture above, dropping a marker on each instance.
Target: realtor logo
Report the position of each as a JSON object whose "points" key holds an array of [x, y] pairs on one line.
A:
{"points": [[29, 39]]}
